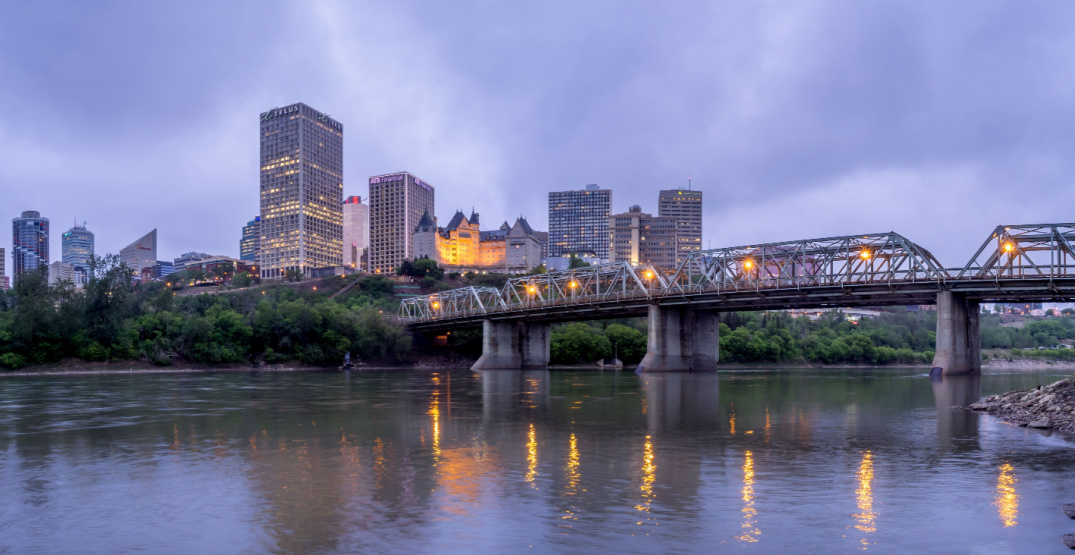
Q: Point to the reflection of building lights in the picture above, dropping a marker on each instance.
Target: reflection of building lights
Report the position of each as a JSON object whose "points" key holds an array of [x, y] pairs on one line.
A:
{"points": [[750, 529], [649, 475], [1007, 501], [531, 455], [867, 518]]}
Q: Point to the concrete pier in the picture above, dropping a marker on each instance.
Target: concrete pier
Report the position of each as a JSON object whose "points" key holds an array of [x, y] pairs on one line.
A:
{"points": [[959, 343], [681, 340], [514, 345]]}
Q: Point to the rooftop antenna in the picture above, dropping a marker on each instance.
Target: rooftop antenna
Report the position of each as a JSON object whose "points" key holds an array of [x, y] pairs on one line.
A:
{"points": [[688, 181]]}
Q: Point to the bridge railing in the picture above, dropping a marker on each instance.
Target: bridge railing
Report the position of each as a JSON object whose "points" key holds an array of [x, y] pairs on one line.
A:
{"points": [[1031, 251]]}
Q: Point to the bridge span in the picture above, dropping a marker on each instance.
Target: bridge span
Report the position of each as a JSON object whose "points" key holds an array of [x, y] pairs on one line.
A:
{"points": [[1017, 263]]}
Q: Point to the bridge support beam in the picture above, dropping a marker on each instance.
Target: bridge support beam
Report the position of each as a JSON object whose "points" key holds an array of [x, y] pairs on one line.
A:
{"points": [[681, 340], [514, 345], [959, 343]]}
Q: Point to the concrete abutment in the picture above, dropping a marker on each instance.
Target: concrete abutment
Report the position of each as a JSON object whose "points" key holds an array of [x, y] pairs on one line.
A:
{"points": [[681, 339], [514, 345], [959, 342]]}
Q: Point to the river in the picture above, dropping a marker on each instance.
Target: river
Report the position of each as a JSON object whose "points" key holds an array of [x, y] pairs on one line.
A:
{"points": [[454, 461]]}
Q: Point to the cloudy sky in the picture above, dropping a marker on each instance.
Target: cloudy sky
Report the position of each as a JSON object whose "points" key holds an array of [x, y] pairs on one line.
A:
{"points": [[797, 119]]}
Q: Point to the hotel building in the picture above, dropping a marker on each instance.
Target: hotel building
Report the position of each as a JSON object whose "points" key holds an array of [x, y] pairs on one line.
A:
{"points": [[397, 202], [578, 221], [686, 208], [301, 191]]}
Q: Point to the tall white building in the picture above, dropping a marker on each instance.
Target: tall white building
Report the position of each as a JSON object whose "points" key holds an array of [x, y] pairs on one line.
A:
{"points": [[301, 191], [578, 221], [356, 231], [397, 203], [686, 208]]}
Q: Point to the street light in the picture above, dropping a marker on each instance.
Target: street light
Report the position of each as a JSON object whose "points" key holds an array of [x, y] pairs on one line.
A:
{"points": [[748, 264], [865, 254], [1008, 247]]}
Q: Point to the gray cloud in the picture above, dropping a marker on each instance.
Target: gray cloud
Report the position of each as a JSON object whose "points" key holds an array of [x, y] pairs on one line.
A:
{"points": [[796, 119]]}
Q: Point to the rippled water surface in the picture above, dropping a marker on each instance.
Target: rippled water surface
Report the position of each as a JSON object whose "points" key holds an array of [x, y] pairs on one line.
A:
{"points": [[456, 461]]}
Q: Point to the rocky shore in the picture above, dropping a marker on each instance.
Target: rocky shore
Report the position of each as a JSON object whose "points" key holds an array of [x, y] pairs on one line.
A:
{"points": [[1045, 407]]}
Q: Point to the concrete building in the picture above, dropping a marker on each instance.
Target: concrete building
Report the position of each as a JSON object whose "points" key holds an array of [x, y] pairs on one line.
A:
{"points": [[30, 243], [578, 221], [76, 248], [164, 268], [356, 231], [61, 271], [686, 208], [301, 191], [250, 244], [522, 248], [397, 202], [641, 238], [3, 267], [142, 253]]}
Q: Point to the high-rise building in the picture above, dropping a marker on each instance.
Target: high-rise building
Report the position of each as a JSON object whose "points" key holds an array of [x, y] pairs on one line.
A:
{"points": [[686, 208], [641, 238], [578, 221], [250, 244], [76, 248], [397, 202], [140, 254], [356, 231], [301, 191], [30, 243], [61, 271], [3, 265]]}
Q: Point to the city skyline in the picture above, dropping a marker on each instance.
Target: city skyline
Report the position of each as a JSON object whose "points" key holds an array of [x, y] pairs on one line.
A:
{"points": [[854, 149]]}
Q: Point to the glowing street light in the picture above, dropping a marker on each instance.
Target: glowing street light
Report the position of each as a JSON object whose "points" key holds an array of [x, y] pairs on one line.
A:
{"points": [[649, 274], [532, 289], [573, 285], [436, 305], [1008, 247], [865, 254], [748, 264]]}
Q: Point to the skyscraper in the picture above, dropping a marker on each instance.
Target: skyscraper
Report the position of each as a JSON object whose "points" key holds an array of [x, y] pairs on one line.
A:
{"points": [[140, 254], [76, 248], [397, 202], [639, 237], [30, 243], [250, 244], [356, 231], [301, 191], [3, 265], [686, 208], [578, 221]]}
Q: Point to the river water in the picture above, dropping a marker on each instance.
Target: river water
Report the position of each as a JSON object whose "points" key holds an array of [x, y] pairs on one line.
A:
{"points": [[561, 461]]}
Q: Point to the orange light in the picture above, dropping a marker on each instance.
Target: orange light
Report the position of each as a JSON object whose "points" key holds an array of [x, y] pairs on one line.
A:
{"points": [[1008, 247], [262, 292], [315, 288], [573, 284], [748, 264], [531, 289], [649, 274], [436, 305], [865, 254]]}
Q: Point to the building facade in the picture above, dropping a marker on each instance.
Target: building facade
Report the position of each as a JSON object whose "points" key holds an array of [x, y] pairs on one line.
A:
{"points": [[140, 254], [301, 191], [686, 208], [188, 258], [578, 221], [462, 247], [641, 238], [30, 243], [356, 231], [397, 202], [250, 244], [76, 248], [3, 268], [61, 271]]}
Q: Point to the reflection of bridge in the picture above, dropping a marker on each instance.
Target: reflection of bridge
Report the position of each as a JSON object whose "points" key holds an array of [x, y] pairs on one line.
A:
{"points": [[1015, 264]]}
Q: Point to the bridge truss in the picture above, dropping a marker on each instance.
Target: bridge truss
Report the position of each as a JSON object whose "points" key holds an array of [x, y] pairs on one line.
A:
{"points": [[1024, 251]]}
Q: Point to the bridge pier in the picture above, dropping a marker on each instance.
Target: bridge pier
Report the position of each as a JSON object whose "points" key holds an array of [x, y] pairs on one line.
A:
{"points": [[959, 343], [681, 339], [514, 345]]}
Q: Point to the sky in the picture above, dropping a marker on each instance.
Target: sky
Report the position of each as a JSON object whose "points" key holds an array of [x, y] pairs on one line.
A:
{"points": [[937, 120]]}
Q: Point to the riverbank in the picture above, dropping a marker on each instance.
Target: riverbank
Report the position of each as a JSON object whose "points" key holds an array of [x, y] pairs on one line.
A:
{"points": [[1050, 407]]}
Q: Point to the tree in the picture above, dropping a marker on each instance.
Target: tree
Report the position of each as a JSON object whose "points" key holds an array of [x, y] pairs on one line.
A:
{"points": [[576, 262], [426, 268], [242, 279], [293, 275]]}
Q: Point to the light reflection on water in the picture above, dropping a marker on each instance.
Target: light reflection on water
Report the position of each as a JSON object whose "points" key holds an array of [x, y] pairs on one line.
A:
{"points": [[450, 461]]}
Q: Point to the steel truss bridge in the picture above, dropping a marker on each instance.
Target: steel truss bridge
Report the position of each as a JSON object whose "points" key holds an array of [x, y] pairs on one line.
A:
{"points": [[1016, 263]]}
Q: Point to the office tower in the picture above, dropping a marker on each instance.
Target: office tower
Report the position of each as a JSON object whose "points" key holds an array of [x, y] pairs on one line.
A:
{"points": [[356, 231], [30, 243], [641, 238], [76, 248], [140, 254], [61, 271], [578, 221], [3, 265], [250, 244], [686, 208], [301, 191], [397, 202]]}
